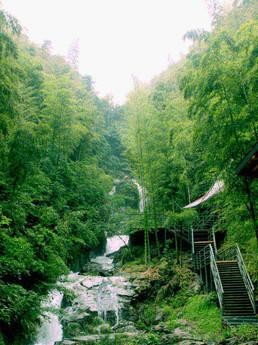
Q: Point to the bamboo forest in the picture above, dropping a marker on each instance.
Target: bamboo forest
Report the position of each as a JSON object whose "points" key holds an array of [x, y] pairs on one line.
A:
{"points": [[137, 223]]}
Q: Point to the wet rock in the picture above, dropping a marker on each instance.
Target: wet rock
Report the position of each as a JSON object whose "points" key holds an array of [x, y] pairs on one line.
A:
{"points": [[106, 297], [180, 333], [161, 328], [91, 339], [235, 341], [101, 265], [93, 305], [160, 316], [66, 342], [170, 339], [71, 314], [125, 327], [196, 284]]}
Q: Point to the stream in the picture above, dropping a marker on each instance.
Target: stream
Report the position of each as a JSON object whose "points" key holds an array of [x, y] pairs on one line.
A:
{"points": [[96, 307], [99, 302]]}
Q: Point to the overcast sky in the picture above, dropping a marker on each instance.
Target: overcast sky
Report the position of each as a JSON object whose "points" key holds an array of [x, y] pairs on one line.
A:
{"points": [[118, 39]]}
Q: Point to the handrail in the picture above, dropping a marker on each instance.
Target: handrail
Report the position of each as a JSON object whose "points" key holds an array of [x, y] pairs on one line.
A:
{"points": [[192, 240], [227, 253], [214, 241], [216, 277], [203, 257], [246, 278], [234, 252]]}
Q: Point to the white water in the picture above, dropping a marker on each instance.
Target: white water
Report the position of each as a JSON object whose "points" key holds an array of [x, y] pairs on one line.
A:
{"points": [[113, 190], [107, 300], [142, 196], [51, 329], [92, 293], [115, 243]]}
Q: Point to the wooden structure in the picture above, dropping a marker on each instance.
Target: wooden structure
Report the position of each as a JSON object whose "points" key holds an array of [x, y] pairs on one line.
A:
{"points": [[248, 167]]}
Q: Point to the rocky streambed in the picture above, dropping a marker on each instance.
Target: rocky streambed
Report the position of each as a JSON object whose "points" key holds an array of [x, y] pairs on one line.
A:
{"points": [[87, 307]]}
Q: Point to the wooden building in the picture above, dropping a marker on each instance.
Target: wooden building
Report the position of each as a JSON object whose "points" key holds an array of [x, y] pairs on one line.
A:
{"points": [[248, 167]]}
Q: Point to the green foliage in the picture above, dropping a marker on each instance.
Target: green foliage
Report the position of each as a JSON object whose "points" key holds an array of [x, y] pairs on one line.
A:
{"points": [[202, 310], [182, 219], [148, 339], [147, 315], [193, 124], [59, 144], [58, 156], [245, 333], [18, 307]]}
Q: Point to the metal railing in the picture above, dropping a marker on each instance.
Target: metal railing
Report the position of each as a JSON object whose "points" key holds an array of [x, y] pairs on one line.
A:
{"points": [[227, 253], [216, 277], [234, 253], [246, 278], [203, 257], [192, 239]]}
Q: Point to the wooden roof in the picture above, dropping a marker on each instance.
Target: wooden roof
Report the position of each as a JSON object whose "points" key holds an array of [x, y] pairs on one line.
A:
{"points": [[249, 164], [215, 189]]}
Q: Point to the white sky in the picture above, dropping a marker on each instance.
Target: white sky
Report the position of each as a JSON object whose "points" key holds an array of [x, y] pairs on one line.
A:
{"points": [[118, 39]]}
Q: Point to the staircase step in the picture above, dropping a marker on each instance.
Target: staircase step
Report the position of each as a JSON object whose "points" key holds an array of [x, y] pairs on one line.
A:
{"points": [[230, 306], [233, 279], [238, 301], [236, 298], [230, 270], [237, 320], [241, 306], [235, 293], [227, 277], [230, 273], [237, 313], [236, 287], [233, 284]]}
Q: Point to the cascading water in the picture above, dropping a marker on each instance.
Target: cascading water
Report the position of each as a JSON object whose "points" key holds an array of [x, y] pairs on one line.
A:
{"points": [[142, 196], [51, 329], [107, 300], [115, 243], [93, 294]]}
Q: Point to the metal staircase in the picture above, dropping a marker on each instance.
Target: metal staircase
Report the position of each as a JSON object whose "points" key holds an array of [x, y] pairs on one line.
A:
{"points": [[225, 270]]}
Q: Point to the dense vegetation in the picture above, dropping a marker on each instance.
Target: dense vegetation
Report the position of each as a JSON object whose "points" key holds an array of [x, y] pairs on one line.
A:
{"points": [[60, 150], [193, 125]]}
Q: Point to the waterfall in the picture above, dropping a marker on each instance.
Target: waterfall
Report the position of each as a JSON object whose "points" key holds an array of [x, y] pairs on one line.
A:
{"points": [[107, 300], [95, 293], [51, 328], [142, 197], [115, 243]]}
